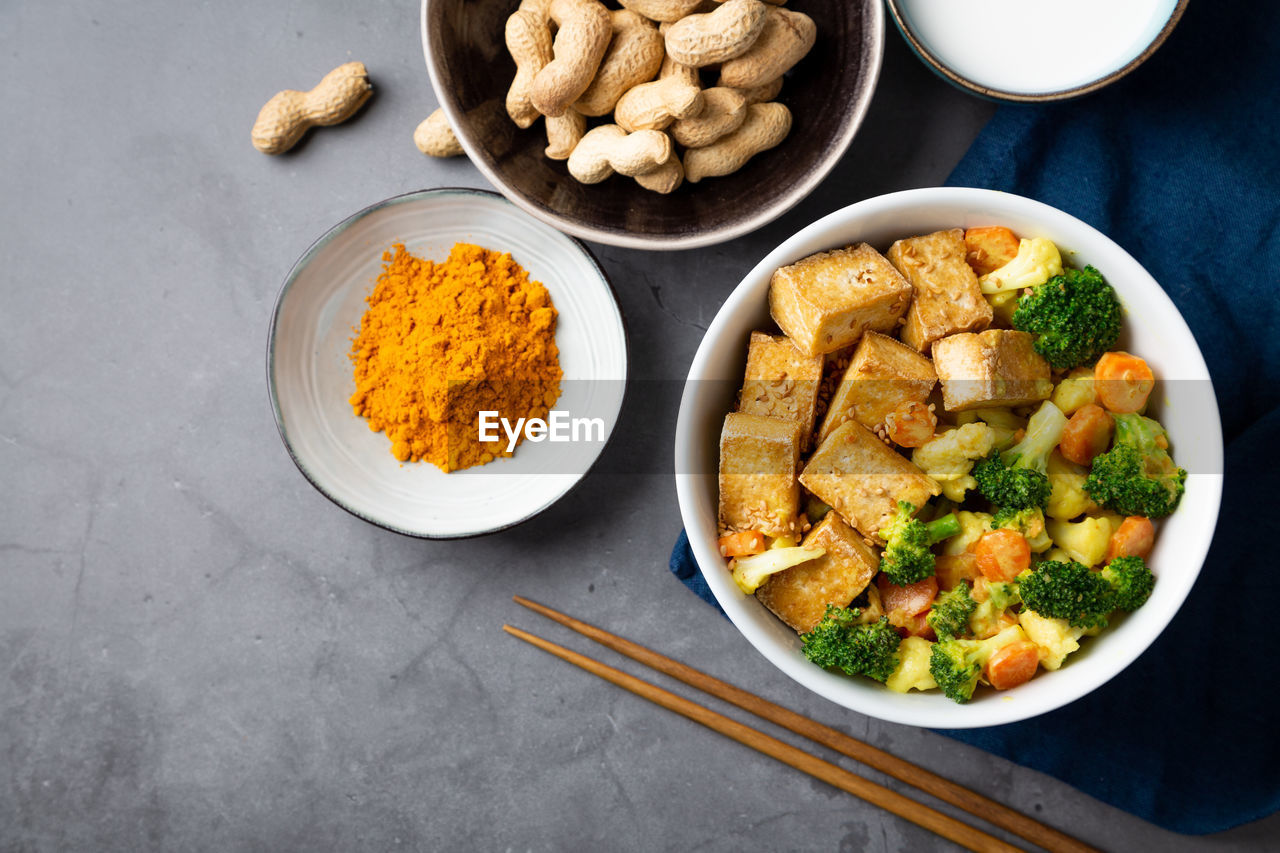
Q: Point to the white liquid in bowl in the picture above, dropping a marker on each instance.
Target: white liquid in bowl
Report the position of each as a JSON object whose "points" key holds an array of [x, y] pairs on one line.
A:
{"points": [[1035, 47]]}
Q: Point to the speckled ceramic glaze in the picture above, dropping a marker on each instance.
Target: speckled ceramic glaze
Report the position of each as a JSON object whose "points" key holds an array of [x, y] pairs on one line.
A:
{"points": [[309, 372], [828, 93]]}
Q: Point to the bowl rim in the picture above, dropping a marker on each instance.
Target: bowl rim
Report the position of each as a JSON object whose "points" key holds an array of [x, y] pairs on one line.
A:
{"points": [[798, 192], [990, 93], [690, 485], [309, 254]]}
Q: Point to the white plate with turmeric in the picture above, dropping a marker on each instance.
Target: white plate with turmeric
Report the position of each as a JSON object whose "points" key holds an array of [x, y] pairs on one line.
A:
{"points": [[443, 365]]}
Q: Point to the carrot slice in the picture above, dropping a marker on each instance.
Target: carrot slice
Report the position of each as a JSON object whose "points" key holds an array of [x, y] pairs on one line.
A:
{"points": [[1133, 538], [989, 247], [911, 598], [743, 543], [912, 626], [911, 424], [1087, 434], [1013, 664], [1002, 554], [1123, 382], [952, 569]]}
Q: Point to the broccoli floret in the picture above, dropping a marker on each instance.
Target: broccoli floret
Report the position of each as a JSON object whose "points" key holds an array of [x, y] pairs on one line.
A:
{"points": [[840, 642], [955, 667], [1016, 478], [955, 664], [951, 611], [988, 616], [1010, 517], [1012, 487], [1075, 317], [1137, 476], [906, 557], [1068, 591], [1003, 595], [1131, 582], [1029, 522]]}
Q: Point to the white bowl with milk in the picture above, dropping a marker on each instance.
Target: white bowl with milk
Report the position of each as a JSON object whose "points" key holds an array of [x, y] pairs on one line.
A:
{"points": [[1034, 50]]}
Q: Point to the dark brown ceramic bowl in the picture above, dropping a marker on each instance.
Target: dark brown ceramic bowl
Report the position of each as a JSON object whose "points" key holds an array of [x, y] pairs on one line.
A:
{"points": [[827, 92]]}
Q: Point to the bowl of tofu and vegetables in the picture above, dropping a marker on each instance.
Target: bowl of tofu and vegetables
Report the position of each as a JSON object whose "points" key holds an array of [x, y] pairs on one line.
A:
{"points": [[949, 457]]}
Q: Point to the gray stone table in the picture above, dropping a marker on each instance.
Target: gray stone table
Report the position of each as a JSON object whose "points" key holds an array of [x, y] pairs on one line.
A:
{"points": [[198, 650]]}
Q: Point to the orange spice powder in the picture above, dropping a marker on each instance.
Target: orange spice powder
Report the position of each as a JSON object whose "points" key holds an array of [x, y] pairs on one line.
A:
{"points": [[440, 343]]}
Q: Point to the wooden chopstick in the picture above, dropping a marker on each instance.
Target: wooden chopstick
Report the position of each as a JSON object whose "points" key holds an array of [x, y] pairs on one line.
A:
{"points": [[891, 801], [904, 771]]}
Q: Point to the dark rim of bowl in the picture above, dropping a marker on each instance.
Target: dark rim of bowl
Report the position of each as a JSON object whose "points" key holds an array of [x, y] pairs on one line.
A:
{"points": [[669, 243], [306, 258], [944, 71]]}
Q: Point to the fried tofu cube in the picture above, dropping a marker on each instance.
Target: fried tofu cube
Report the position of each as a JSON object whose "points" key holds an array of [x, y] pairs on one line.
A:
{"points": [[882, 374], [998, 367], [781, 382], [758, 486], [862, 479], [800, 595], [826, 301], [947, 298]]}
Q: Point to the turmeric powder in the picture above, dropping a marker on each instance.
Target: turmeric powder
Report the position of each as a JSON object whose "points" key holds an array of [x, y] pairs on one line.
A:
{"points": [[439, 343]]}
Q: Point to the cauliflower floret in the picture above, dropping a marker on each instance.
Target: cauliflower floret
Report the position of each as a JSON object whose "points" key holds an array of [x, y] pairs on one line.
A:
{"points": [[1085, 541], [1067, 497], [1055, 638], [913, 667], [1037, 261], [973, 526], [949, 456], [1003, 304], [749, 573], [1003, 420], [1075, 391], [871, 611]]}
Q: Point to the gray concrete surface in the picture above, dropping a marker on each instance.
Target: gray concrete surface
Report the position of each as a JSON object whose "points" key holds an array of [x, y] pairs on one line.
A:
{"points": [[197, 650]]}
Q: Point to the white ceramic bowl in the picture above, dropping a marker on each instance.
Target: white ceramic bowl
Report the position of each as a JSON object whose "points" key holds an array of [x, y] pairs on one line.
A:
{"points": [[309, 374], [1154, 329], [1010, 50]]}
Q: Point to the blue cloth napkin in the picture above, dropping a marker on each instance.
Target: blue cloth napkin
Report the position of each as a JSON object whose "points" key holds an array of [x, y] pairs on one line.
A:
{"points": [[1179, 163]]}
